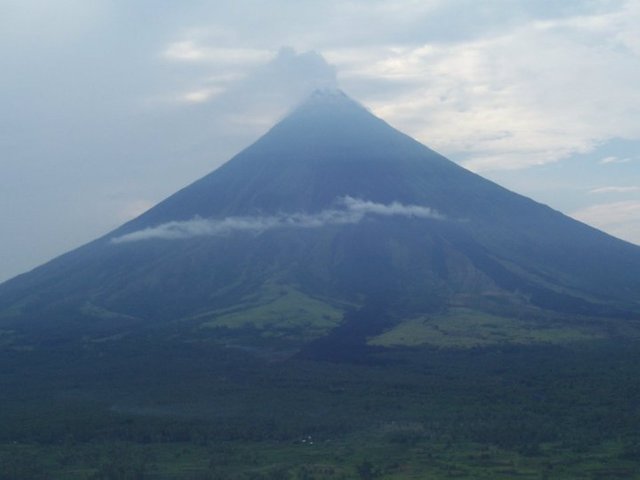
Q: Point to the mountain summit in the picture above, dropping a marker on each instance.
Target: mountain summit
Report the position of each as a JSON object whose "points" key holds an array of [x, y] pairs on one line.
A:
{"points": [[331, 212]]}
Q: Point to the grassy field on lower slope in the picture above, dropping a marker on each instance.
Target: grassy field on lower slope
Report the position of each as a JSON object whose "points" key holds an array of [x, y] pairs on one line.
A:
{"points": [[466, 328], [277, 311]]}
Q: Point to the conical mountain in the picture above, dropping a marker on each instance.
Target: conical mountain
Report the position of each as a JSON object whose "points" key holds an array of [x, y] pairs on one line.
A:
{"points": [[331, 211]]}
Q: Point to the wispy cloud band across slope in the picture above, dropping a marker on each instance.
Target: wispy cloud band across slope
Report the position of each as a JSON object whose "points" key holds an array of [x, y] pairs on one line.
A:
{"points": [[353, 211]]}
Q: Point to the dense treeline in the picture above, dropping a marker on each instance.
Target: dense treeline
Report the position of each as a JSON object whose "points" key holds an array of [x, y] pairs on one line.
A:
{"points": [[520, 399]]}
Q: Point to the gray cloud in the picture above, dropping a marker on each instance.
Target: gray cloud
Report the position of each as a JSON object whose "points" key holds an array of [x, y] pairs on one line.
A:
{"points": [[116, 105], [122, 135], [353, 211]]}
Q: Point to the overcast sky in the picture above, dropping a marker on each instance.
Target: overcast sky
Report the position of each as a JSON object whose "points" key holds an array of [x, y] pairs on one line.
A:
{"points": [[107, 107]]}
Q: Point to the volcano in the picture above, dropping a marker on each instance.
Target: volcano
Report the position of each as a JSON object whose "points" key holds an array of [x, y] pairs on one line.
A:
{"points": [[333, 223]]}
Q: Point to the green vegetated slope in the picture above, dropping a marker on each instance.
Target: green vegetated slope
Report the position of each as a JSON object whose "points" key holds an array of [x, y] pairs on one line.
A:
{"points": [[277, 311], [465, 328]]}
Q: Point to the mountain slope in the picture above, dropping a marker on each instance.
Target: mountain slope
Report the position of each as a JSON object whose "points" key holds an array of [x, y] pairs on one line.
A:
{"points": [[338, 207]]}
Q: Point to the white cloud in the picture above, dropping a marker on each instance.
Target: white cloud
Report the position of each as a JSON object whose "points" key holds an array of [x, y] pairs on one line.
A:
{"points": [[248, 95], [200, 95], [191, 51], [621, 219], [353, 211], [364, 207], [614, 189], [529, 95], [612, 159], [184, 50]]}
